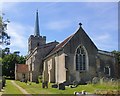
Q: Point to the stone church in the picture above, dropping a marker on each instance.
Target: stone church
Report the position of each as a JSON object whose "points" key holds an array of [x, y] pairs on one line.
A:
{"points": [[75, 59]]}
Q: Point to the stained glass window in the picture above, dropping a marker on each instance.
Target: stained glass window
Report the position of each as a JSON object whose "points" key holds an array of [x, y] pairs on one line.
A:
{"points": [[80, 59]]}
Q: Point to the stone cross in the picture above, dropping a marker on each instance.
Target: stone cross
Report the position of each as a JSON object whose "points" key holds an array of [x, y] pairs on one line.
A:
{"points": [[80, 24]]}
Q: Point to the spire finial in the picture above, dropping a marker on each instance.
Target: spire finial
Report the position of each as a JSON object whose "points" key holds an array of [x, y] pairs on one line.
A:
{"points": [[37, 25], [80, 24]]}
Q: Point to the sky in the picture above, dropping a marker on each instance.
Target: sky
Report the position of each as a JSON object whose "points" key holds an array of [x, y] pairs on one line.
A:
{"points": [[58, 20]]}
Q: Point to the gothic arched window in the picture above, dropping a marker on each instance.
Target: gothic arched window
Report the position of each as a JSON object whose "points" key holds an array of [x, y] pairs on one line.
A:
{"points": [[80, 59]]}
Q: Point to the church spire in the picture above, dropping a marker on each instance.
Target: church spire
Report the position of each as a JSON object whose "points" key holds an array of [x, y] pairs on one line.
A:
{"points": [[37, 25]]}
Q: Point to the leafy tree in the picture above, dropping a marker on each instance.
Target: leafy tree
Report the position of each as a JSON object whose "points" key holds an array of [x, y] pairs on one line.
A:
{"points": [[9, 60], [5, 51], [117, 53], [117, 67], [4, 37]]}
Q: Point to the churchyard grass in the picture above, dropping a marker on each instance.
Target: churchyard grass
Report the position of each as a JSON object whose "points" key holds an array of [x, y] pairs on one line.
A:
{"points": [[11, 89], [90, 88]]}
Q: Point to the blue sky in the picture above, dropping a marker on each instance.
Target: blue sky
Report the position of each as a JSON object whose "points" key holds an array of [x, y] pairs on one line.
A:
{"points": [[58, 20]]}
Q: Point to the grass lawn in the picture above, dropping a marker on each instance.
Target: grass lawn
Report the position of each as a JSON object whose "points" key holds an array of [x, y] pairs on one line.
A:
{"points": [[11, 89], [37, 88]]}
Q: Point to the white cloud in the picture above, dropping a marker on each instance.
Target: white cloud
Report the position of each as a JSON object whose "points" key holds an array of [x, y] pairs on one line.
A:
{"points": [[11, 8], [105, 41], [9, 5], [58, 25], [19, 36], [103, 38]]}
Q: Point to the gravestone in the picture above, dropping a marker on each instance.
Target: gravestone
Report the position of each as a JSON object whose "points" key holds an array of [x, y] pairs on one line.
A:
{"points": [[25, 80], [61, 86], [66, 83], [54, 86], [112, 79], [45, 84], [95, 80], [105, 79], [75, 83]]}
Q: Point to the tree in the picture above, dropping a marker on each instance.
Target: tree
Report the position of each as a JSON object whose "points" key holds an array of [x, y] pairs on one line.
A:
{"points": [[117, 67], [9, 61], [4, 37], [5, 51]]}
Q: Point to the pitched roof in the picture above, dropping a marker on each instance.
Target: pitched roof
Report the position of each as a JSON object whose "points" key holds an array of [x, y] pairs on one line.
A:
{"points": [[21, 68], [61, 45]]}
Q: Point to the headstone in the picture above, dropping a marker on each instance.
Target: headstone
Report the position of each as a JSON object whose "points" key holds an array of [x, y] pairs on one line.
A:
{"points": [[95, 80], [61, 86], [22, 80], [45, 84], [66, 83], [101, 81], [82, 82], [105, 79], [25, 80], [37, 82], [112, 79], [54, 86], [75, 83]]}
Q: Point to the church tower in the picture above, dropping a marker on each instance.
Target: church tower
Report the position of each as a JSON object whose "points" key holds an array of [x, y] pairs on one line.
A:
{"points": [[36, 40]]}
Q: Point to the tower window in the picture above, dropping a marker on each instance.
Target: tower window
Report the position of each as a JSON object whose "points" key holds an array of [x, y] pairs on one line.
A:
{"points": [[38, 44], [80, 59]]}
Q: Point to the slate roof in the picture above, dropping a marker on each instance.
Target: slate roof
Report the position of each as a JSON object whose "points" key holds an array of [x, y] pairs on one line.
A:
{"points": [[63, 43], [21, 68]]}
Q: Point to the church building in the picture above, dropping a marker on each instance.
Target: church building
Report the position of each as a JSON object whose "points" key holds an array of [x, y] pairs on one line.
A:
{"points": [[75, 59]]}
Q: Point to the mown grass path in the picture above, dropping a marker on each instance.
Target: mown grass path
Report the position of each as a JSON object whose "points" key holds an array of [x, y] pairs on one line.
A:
{"points": [[20, 88], [11, 89]]}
